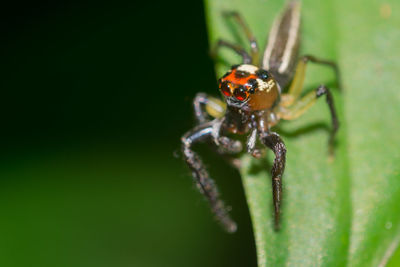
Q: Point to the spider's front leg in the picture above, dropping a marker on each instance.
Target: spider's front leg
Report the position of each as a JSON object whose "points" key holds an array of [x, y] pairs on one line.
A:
{"points": [[206, 107], [225, 145], [203, 181], [275, 143]]}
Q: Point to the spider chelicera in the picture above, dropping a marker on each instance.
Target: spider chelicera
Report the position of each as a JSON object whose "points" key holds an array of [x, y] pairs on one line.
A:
{"points": [[254, 103]]}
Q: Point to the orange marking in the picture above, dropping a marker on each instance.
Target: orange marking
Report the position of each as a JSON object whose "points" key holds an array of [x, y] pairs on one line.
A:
{"points": [[238, 81]]}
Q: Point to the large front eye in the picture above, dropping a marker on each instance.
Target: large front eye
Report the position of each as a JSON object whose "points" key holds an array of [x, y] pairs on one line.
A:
{"points": [[225, 88], [251, 86], [240, 93]]}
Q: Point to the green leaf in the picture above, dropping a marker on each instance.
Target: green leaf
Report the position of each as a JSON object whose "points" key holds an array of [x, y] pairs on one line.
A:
{"points": [[344, 211], [369, 57]]}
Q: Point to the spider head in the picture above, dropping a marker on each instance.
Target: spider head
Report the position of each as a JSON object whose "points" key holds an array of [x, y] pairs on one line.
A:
{"points": [[249, 86]]}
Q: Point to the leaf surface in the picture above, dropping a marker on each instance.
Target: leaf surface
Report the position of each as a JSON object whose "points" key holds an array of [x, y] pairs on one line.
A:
{"points": [[343, 211]]}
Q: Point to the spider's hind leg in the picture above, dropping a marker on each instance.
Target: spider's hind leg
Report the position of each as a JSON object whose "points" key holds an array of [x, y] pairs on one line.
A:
{"points": [[329, 63], [303, 104], [253, 58], [292, 106], [203, 181], [254, 51], [299, 77], [236, 48]]}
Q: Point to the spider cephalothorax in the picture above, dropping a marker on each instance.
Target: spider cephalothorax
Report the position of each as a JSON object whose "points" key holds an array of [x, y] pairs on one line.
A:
{"points": [[250, 85], [254, 104]]}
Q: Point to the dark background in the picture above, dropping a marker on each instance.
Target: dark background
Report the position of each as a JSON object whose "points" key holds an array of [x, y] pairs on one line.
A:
{"points": [[94, 99]]}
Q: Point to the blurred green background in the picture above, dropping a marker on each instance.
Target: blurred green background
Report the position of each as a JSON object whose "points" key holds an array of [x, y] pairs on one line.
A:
{"points": [[95, 97]]}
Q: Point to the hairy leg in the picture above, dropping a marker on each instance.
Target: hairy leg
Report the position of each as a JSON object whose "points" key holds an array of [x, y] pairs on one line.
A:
{"points": [[203, 181], [275, 143]]}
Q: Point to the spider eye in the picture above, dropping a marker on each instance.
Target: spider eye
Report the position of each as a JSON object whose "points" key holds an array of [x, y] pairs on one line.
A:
{"points": [[240, 93], [251, 86], [225, 88], [262, 74]]}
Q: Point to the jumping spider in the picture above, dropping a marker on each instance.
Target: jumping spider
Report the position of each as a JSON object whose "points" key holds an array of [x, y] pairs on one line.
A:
{"points": [[254, 103]]}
